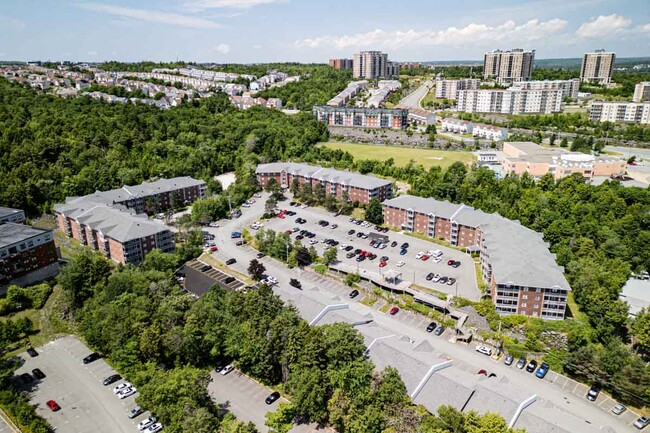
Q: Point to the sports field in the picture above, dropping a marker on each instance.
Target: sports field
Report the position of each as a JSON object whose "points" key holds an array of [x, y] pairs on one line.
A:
{"points": [[402, 155]]}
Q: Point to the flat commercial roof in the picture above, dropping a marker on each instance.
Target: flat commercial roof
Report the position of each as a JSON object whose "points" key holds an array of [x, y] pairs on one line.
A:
{"points": [[12, 233], [5, 211]]}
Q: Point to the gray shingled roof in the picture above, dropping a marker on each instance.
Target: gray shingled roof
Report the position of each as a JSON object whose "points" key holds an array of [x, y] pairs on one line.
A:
{"points": [[325, 174], [4, 211], [517, 254], [122, 224], [11, 233]]}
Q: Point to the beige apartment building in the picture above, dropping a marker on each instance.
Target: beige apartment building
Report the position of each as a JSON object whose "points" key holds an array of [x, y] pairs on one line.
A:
{"points": [[642, 92], [372, 65], [597, 67], [508, 66], [527, 157], [448, 89], [620, 112]]}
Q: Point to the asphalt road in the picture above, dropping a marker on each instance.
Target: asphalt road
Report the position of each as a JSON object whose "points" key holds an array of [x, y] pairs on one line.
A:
{"points": [[86, 405], [406, 345], [413, 100]]}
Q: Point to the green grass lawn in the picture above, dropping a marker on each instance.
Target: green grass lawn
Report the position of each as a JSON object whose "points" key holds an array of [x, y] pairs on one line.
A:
{"points": [[402, 155]]}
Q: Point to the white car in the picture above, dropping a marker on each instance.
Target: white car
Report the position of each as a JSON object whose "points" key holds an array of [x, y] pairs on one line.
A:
{"points": [[154, 428], [435, 253], [382, 246], [227, 369], [436, 278], [400, 264], [272, 280], [121, 386], [214, 224], [419, 255], [343, 246], [484, 350], [258, 195], [436, 260], [127, 392], [251, 201], [304, 206], [146, 422], [245, 205], [313, 241]]}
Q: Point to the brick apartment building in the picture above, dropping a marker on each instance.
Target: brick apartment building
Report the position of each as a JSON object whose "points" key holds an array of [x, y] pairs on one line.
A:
{"points": [[27, 254], [394, 118], [516, 265], [115, 222], [360, 188]]}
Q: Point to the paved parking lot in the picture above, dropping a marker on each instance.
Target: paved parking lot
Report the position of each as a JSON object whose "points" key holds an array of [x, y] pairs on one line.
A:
{"points": [[199, 282], [86, 405], [414, 270]]}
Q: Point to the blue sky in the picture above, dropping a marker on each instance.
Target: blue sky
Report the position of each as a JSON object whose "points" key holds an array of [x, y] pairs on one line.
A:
{"points": [[315, 30]]}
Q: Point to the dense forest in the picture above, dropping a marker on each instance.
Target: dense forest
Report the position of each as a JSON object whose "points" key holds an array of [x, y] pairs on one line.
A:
{"points": [[51, 148]]}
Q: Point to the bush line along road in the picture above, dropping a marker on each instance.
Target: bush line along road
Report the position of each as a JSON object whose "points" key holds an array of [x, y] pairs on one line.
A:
{"points": [[566, 396]]}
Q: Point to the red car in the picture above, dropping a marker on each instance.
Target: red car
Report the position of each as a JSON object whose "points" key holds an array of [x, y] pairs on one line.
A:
{"points": [[213, 248], [281, 215], [393, 311], [289, 232], [450, 262], [382, 264], [424, 258], [54, 406], [367, 253]]}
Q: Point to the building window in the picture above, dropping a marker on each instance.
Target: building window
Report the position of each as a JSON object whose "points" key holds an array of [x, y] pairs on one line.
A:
{"points": [[524, 297], [523, 305]]}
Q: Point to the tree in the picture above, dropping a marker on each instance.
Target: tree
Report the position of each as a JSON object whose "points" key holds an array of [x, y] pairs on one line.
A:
{"points": [[330, 255], [295, 187], [272, 185], [564, 142], [374, 212], [641, 330], [281, 421], [82, 274], [256, 269]]}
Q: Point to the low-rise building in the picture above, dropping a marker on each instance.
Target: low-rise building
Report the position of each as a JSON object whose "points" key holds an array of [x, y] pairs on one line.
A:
{"points": [[569, 88], [419, 116], [531, 158], [458, 126], [340, 63], [489, 132], [360, 188], [9, 215], [344, 96], [394, 118], [642, 92], [620, 112], [27, 254], [510, 101], [516, 264], [448, 88]]}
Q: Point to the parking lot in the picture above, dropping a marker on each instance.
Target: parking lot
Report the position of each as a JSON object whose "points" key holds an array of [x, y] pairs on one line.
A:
{"points": [[413, 270], [199, 282], [86, 404]]}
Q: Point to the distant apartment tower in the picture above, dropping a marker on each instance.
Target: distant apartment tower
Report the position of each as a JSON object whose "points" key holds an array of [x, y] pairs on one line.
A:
{"points": [[372, 65], [620, 112], [448, 89], [510, 101], [642, 92], [597, 67], [341, 63], [508, 66]]}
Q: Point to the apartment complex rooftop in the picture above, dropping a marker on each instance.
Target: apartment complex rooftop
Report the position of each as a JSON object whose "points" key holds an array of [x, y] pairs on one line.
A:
{"points": [[119, 223], [7, 211], [12, 233], [325, 174], [533, 152], [517, 254]]}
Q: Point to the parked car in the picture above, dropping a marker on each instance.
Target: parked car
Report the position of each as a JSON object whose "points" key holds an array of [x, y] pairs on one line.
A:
{"points": [[484, 350], [205, 268], [92, 357], [419, 255], [405, 245], [439, 330], [393, 311], [54, 406], [227, 369], [403, 252], [619, 409], [295, 283], [229, 279], [154, 428], [32, 352], [351, 232], [231, 262], [145, 423], [456, 264], [400, 264], [353, 294], [393, 244], [382, 264], [509, 359], [38, 374], [361, 258], [260, 255], [127, 392], [235, 235], [450, 262], [436, 260], [424, 258], [122, 386], [350, 254], [542, 370], [642, 422], [334, 226], [272, 397], [240, 243], [532, 365], [384, 258], [432, 327], [593, 392], [521, 363], [443, 280], [429, 276], [136, 411], [451, 281]]}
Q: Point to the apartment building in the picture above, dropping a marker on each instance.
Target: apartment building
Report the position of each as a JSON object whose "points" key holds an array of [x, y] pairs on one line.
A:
{"points": [[457, 126], [516, 264], [345, 95], [527, 157], [9, 215], [510, 101], [341, 63], [620, 112], [489, 132], [448, 89], [642, 92], [570, 88], [27, 254], [508, 66], [360, 188], [597, 67], [394, 118], [422, 117], [372, 65], [115, 222]]}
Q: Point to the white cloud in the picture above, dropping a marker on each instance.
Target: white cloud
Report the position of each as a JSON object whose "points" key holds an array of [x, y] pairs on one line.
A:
{"points": [[223, 48], [201, 5], [472, 34], [173, 19], [605, 26]]}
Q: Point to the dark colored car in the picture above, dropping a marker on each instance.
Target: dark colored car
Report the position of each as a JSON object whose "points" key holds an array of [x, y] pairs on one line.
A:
{"points": [[358, 251], [403, 251], [351, 232], [272, 398], [439, 330], [405, 245], [393, 311], [350, 255], [219, 367], [260, 255], [593, 392], [372, 256], [38, 374], [521, 363], [92, 357], [429, 276], [300, 237], [231, 261], [509, 360], [239, 243], [384, 258], [295, 283], [532, 365], [456, 264], [229, 280], [451, 281], [26, 378], [450, 262], [353, 294], [393, 244], [359, 234], [204, 268], [349, 248], [32, 352], [542, 370], [432, 327], [111, 379], [361, 258]]}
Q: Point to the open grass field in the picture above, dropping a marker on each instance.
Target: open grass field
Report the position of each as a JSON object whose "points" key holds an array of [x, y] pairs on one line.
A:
{"points": [[402, 155]]}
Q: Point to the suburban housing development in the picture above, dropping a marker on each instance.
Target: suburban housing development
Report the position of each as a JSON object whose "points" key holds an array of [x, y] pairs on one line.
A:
{"points": [[115, 222], [516, 264], [359, 187]]}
